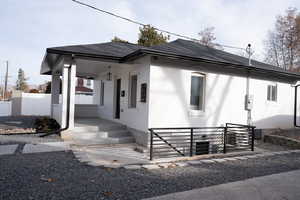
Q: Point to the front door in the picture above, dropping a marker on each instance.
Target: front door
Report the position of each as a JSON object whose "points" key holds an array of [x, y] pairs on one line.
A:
{"points": [[118, 98]]}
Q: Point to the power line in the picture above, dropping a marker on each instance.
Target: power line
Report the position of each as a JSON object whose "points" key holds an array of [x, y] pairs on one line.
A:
{"points": [[142, 24]]}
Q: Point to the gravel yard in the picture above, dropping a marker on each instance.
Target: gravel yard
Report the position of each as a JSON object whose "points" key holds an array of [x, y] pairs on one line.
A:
{"points": [[58, 175]]}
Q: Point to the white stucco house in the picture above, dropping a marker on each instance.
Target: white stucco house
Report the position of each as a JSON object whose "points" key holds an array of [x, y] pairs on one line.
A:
{"points": [[177, 84]]}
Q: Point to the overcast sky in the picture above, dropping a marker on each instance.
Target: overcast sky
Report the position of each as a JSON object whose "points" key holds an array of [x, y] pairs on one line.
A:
{"points": [[28, 27]]}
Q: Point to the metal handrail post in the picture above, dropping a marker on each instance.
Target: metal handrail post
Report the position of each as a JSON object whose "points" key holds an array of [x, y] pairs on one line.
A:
{"points": [[191, 142], [252, 139], [151, 144], [225, 138]]}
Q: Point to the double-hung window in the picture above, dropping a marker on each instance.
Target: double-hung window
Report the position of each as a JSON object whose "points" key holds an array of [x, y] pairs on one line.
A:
{"points": [[272, 93], [197, 92], [132, 91]]}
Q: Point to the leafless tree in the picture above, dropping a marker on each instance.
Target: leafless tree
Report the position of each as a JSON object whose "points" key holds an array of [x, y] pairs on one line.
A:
{"points": [[207, 38], [282, 46]]}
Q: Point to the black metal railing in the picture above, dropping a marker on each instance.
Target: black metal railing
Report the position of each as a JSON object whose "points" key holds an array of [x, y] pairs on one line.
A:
{"points": [[171, 142], [239, 137]]}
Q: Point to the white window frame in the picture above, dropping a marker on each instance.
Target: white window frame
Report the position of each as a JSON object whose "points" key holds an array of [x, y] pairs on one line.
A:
{"points": [[196, 112], [270, 91], [102, 92], [130, 105]]}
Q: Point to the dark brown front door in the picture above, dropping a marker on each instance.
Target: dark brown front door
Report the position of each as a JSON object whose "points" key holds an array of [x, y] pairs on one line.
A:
{"points": [[118, 96]]}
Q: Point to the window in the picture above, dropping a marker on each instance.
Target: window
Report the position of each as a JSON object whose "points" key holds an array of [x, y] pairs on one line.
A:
{"points": [[132, 91], [79, 82], [272, 93], [102, 93], [197, 92], [88, 82], [144, 92]]}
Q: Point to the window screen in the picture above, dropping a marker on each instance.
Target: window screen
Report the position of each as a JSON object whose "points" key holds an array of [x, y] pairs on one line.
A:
{"points": [[133, 91], [272, 93], [197, 92]]}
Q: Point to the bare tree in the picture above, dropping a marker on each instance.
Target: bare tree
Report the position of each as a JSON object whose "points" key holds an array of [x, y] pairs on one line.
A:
{"points": [[207, 38], [282, 47]]}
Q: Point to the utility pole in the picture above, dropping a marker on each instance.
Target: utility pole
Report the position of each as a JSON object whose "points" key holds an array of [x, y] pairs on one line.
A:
{"points": [[5, 81]]}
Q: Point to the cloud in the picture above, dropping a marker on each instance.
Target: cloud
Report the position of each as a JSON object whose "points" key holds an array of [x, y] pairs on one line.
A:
{"points": [[29, 28]]}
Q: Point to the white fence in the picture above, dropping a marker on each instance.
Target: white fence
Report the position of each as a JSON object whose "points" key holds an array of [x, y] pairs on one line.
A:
{"points": [[5, 108], [36, 104]]}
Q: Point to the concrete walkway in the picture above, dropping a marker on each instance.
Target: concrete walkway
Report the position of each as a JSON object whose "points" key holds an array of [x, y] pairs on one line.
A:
{"points": [[34, 148], [273, 187], [112, 156]]}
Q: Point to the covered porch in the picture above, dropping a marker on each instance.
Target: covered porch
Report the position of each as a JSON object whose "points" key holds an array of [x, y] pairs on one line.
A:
{"points": [[63, 79], [113, 98]]}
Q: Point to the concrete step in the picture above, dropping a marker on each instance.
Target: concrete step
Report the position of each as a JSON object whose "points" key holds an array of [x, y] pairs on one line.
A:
{"points": [[88, 128], [110, 133], [108, 140]]}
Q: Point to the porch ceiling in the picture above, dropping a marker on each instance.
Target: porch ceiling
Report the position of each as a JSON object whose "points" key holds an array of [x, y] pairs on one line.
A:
{"points": [[91, 68], [85, 67]]}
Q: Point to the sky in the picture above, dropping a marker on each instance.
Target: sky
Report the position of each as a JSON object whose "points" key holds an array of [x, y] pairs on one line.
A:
{"points": [[28, 27]]}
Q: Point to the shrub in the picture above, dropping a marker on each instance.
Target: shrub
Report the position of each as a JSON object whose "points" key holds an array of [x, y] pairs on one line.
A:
{"points": [[45, 124], [34, 91]]}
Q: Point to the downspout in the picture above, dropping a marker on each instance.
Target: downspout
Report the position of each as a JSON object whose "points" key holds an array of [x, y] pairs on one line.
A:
{"points": [[68, 103], [295, 106], [249, 120]]}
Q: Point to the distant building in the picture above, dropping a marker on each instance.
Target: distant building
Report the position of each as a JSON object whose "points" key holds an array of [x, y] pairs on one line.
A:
{"points": [[84, 86]]}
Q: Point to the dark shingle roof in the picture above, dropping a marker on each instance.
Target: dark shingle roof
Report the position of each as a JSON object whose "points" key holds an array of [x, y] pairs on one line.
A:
{"points": [[196, 50], [179, 48], [110, 49]]}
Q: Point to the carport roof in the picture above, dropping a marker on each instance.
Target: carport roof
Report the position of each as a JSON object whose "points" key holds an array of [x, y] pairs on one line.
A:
{"points": [[178, 49], [115, 50]]}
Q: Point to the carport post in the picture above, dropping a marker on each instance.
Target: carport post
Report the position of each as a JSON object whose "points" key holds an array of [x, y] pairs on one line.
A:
{"points": [[55, 89], [69, 67]]}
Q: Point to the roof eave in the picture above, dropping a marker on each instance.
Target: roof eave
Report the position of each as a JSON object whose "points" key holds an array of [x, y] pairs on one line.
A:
{"points": [[84, 55], [142, 52]]}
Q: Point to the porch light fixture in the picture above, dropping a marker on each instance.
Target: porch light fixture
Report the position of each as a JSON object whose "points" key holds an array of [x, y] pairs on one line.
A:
{"points": [[109, 74]]}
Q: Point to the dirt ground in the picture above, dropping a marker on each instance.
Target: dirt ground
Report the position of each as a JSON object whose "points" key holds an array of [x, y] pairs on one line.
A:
{"points": [[294, 135]]}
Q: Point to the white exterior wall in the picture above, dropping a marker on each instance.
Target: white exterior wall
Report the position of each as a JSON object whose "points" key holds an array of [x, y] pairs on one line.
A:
{"points": [[35, 104], [40, 104], [224, 100], [270, 114], [135, 118], [5, 108]]}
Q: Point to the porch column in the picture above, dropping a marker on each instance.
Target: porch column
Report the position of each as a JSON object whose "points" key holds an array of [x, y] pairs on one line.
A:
{"points": [[72, 94], [55, 88], [68, 69]]}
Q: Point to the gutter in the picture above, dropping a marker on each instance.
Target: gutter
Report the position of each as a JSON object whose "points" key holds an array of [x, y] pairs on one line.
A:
{"points": [[142, 52], [295, 106], [85, 55]]}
